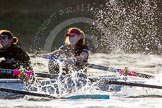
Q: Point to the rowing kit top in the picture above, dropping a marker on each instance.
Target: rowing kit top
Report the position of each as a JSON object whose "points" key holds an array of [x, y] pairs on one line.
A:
{"points": [[15, 57], [68, 53]]}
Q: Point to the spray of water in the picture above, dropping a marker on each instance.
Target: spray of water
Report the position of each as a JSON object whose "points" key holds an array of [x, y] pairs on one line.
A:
{"points": [[130, 26], [141, 92], [64, 85]]}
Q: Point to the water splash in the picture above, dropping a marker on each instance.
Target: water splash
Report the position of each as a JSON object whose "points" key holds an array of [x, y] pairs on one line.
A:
{"points": [[64, 85], [142, 91], [130, 26]]}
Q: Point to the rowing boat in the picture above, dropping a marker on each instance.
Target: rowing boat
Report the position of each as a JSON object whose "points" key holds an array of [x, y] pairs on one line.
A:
{"points": [[18, 84]]}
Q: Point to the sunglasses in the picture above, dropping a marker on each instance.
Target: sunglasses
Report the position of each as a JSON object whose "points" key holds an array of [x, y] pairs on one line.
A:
{"points": [[3, 37], [72, 35]]}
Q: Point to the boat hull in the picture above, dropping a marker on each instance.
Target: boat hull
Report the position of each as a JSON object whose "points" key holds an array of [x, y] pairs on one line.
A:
{"points": [[17, 84], [11, 84]]}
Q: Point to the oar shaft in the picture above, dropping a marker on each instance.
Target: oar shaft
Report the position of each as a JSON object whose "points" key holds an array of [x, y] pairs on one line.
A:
{"points": [[46, 75], [94, 66], [127, 83], [121, 71], [144, 75], [14, 73], [7, 73], [25, 93]]}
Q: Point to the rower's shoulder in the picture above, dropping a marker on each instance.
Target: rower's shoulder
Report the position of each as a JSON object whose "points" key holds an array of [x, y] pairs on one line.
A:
{"points": [[14, 46]]}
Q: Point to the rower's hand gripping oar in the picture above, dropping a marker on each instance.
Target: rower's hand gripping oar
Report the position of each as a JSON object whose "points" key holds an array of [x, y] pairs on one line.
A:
{"points": [[121, 71]]}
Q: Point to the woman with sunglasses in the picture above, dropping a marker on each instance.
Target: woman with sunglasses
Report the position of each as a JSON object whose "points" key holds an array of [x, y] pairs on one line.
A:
{"points": [[74, 50], [15, 57], [75, 53]]}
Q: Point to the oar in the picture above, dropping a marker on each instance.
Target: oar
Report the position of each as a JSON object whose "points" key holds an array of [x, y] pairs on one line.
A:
{"points": [[46, 75], [53, 76], [26, 93], [109, 81], [121, 71], [86, 96], [16, 72], [126, 83]]}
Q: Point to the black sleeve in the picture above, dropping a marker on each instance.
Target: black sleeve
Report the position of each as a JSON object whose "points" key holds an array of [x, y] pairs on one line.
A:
{"points": [[2, 53], [21, 54]]}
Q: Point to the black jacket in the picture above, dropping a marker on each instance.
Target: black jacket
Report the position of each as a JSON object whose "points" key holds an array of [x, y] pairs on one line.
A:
{"points": [[15, 57]]}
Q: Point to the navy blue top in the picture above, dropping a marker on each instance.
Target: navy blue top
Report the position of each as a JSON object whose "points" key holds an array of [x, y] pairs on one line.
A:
{"points": [[76, 51], [14, 55]]}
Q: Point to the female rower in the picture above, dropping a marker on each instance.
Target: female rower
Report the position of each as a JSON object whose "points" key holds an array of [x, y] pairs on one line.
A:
{"points": [[14, 56], [75, 52]]}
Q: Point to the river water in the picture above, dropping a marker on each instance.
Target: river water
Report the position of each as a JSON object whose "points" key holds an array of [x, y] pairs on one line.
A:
{"points": [[150, 64]]}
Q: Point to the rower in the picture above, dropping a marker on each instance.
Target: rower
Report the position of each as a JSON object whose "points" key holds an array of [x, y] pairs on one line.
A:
{"points": [[74, 50], [15, 57]]}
